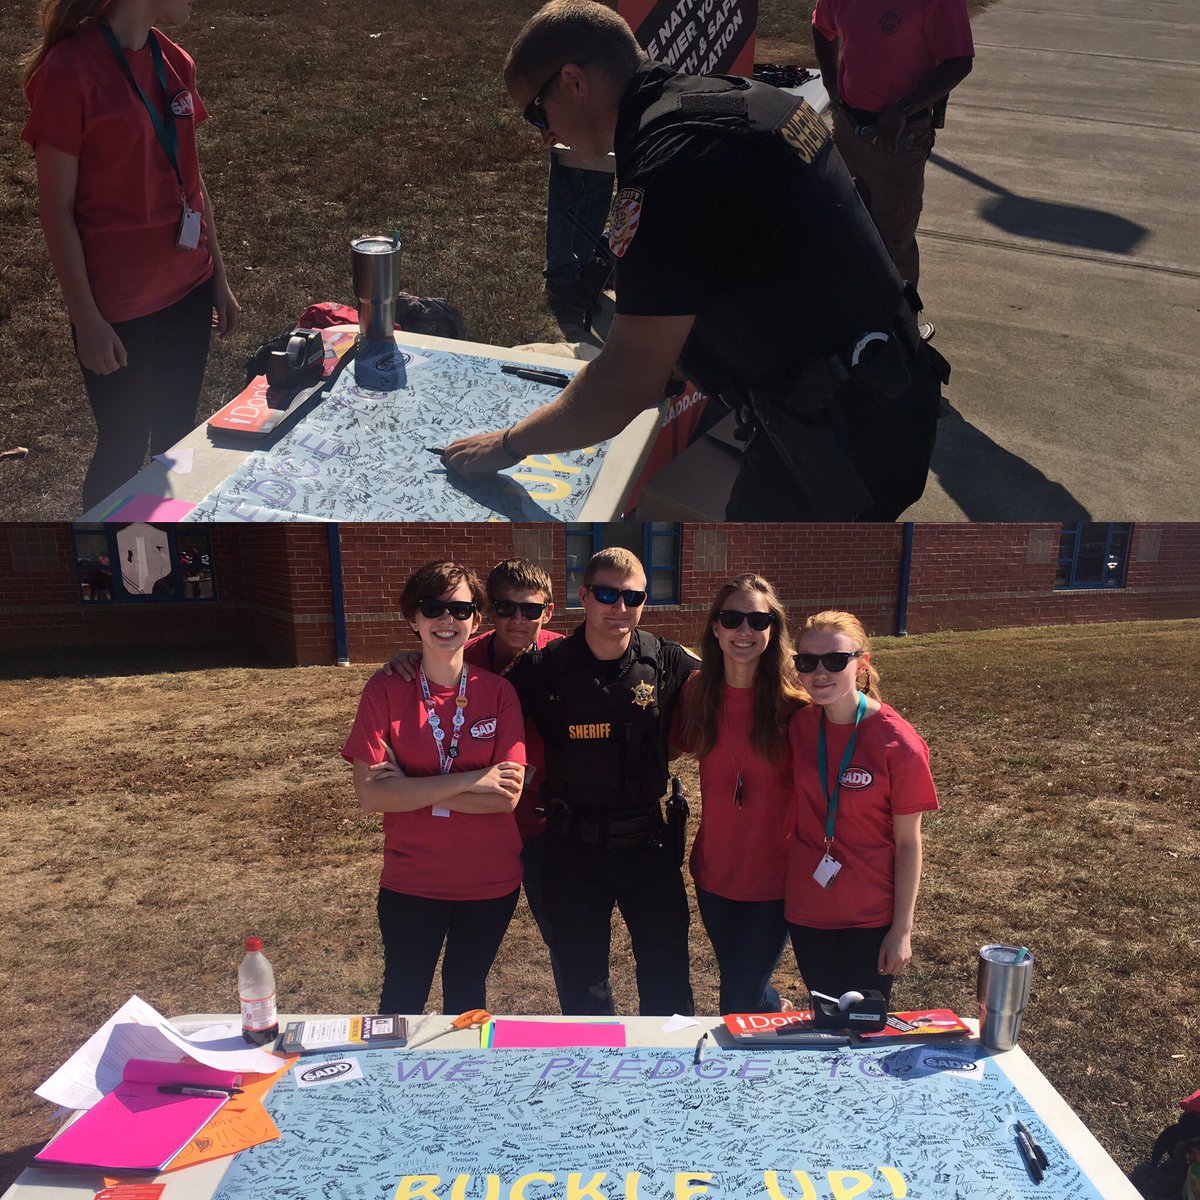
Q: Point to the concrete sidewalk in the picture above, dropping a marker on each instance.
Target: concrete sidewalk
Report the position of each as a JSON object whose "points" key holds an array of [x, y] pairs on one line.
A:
{"points": [[1061, 265]]}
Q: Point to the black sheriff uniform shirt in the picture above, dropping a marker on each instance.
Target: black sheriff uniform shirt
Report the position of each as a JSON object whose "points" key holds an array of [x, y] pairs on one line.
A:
{"points": [[706, 222], [533, 679]]}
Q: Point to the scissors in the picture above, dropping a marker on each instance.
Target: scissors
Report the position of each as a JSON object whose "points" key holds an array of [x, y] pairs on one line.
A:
{"points": [[468, 1020]]}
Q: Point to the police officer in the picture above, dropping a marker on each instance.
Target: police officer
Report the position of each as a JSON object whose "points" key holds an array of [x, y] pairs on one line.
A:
{"points": [[744, 254], [602, 700]]}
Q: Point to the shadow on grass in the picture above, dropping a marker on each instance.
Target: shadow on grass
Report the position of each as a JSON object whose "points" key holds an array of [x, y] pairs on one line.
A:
{"points": [[89, 663]]}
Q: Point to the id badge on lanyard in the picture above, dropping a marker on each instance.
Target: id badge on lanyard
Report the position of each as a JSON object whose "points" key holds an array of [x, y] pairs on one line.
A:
{"points": [[188, 236], [829, 866]]}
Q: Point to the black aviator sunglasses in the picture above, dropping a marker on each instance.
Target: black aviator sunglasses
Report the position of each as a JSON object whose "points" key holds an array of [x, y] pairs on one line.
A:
{"points": [[460, 610], [834, 662]]}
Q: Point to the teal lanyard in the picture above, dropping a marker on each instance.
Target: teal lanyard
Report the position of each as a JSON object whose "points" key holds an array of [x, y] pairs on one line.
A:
{"points": [[164, 127], [823, 767]]}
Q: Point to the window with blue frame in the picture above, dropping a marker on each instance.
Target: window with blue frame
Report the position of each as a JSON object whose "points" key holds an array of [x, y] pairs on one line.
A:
{"points": [[142, 563], [656, 543], [1093, 554]]}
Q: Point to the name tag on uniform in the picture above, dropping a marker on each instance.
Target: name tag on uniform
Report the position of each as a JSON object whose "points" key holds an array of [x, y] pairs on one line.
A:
{"points": [[440, 812], [827, 870]]}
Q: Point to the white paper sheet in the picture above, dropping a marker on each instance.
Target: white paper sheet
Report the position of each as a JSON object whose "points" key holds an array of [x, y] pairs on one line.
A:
{"points": [[136, 1030]]}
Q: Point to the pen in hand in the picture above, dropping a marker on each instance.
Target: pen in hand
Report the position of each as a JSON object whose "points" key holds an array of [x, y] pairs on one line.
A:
{"points": [[209, 1093]]}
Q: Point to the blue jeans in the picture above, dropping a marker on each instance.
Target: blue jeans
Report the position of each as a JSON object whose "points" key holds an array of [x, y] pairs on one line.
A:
{"points": [[748, 938], [586, 195]]}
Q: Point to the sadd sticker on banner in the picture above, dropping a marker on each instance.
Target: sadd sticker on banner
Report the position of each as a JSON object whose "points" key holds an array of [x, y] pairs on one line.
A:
{"points": [[334, 1070], [947, 1060]]}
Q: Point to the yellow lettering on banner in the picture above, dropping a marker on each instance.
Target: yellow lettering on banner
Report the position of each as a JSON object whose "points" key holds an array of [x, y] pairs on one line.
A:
{"points": [[691, 1183], [848, 1184], [893, 1177], [417, 1187], [559, 489], [807, 1191], [631, 1185], [550, 462], [518, 1187], [577, 1190]]}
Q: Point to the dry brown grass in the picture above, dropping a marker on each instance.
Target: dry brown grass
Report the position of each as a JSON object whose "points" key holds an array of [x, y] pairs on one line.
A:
{"points": [[327, 122], [155, 810]]}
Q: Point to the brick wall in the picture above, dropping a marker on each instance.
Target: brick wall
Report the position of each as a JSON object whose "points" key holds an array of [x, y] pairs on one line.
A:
{"points": [[275, 594]]}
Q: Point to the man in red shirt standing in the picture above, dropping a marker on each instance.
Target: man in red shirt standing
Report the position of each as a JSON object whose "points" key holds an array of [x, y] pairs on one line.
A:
{"points": [[888, 66]]}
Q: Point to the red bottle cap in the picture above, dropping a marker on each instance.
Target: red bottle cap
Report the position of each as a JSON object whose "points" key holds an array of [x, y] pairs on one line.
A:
{"points": [[253, 943]]}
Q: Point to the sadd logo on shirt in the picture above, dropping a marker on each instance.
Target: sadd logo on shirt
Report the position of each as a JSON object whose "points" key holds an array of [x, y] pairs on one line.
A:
{"points": [[182, 105], [856, 778], [482, 730]]}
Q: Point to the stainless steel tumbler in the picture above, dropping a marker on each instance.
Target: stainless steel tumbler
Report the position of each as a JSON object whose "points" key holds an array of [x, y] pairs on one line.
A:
{"points": [[1005, 973], [375, 265]]}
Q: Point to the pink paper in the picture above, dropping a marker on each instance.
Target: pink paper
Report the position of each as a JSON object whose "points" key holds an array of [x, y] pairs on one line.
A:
{"points": [[145, 507], [556, 1035]]}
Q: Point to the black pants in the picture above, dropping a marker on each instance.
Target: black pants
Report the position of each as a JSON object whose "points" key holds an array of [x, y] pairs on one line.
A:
{"points": [[582, 883], [889, 445], [748, 938], [834, 961], [413, 929], [152, 400]]}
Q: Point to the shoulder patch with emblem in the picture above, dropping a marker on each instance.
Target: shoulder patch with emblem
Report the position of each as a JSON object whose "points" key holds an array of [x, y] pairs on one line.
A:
{"points": [[181, 104], [643, 694], [623, 219]]}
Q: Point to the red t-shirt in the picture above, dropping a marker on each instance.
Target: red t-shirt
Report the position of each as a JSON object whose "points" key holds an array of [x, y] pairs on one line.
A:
{"points": [[127, 202], [889, 46], [740, 852], [888, 776], [463, 856], [529, 822]]}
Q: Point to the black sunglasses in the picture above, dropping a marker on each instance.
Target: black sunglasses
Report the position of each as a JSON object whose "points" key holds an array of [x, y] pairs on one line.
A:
{"points": [[531, 610], [460, 610], [610, 595], [834, 662], [732, 618], [534, 113]]}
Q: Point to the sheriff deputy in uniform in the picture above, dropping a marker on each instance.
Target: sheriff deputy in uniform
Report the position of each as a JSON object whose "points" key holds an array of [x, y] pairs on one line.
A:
{"points": [[745, 255], [602, 700]]}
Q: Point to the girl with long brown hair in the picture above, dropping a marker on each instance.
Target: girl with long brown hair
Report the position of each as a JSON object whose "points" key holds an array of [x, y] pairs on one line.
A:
{"points": [[862, 782], [127, 220], [733, 716]]}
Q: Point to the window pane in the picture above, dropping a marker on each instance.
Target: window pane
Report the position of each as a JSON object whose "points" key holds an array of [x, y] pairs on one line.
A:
{"points": [[662, 587], [579, 550], [622, 533], [94, 566], [145, 560], [195, 564], [662, 551]]}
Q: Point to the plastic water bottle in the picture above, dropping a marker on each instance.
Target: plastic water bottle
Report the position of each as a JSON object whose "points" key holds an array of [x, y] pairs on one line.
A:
{"points": [[256, 991]]}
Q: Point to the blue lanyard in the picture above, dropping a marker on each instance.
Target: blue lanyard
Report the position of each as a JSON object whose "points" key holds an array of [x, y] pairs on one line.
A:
{"points": [[164, 126], [823, 766]]}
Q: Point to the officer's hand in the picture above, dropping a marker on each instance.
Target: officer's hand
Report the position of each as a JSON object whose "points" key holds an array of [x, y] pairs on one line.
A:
{"points": [[890, 127], [403, 663], [479, 454]]}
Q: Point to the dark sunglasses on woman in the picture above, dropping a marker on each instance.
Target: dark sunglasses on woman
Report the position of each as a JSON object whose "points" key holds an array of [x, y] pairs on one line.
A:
{"points": [[732, 618], [834, 662], [530, 610], [610, 595], [460, 610]]}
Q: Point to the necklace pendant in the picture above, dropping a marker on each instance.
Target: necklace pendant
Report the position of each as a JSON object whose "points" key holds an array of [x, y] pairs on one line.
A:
{"points": [[737, 791]]}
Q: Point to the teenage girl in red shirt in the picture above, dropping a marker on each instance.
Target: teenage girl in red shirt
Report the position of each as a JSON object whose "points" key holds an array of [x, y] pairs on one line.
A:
{"points": [[734, 716], [441, 756], [127, 220], [854, 862]]}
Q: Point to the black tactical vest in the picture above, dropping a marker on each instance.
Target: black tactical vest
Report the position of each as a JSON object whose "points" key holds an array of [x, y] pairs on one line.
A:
{"points": [[606, 743], [825, 267]]}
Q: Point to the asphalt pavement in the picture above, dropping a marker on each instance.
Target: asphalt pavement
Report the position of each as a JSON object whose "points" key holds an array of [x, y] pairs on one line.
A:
{"points": [[1061, 265]]}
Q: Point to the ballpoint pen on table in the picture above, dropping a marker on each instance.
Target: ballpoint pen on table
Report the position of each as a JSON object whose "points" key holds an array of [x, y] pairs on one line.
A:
{"points": [[1029, 1152], [698, 1057], [209, 1091], [1034, 1145], [537, 374]]}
